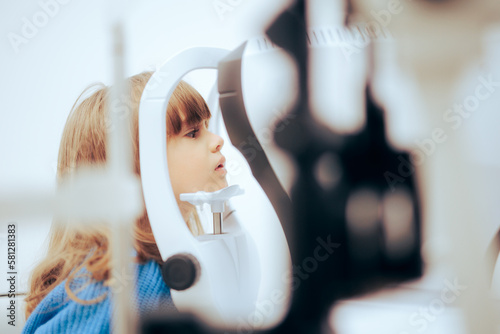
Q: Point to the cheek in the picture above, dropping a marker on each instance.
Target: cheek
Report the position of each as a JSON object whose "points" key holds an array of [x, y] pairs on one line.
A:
{"points": [[188, 170], [175, 169]]}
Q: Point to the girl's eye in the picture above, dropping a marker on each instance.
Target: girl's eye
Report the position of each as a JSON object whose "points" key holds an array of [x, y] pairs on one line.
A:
{"points": [[193, 133]]}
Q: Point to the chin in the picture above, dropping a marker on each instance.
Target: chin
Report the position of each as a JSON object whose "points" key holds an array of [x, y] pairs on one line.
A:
{"points": [[222, 184]]}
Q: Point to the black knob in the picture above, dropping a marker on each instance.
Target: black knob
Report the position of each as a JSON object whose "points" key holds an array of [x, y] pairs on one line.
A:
{"points": [[180, 271]]}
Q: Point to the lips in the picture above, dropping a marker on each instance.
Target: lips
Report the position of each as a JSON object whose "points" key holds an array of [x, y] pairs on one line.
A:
{"points": [[221, 163]]}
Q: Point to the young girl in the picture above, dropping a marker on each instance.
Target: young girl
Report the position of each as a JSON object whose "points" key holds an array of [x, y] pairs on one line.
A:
{"points": [[69, 289]]}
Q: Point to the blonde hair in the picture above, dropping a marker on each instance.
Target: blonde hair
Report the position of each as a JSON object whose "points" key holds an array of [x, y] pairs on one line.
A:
{"points": [[84, 143]]}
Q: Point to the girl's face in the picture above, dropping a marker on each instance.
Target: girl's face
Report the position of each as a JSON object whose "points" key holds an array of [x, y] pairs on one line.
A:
{"points": [[194, 160]]}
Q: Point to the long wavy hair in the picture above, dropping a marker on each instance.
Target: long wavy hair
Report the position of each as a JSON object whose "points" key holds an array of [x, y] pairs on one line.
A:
{"points": [[84, 143]]}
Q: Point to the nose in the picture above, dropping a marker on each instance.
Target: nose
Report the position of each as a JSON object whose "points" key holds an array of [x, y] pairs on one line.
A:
{"points": [[216, 143]]}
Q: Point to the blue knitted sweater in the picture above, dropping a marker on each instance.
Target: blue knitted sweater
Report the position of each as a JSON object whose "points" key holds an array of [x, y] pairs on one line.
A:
{"points": [[57, 313]]}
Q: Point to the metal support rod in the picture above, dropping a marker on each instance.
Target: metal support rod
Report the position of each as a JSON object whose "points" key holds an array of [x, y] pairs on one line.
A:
{"points": [[120, 165], [217, 222], [124, 319]]}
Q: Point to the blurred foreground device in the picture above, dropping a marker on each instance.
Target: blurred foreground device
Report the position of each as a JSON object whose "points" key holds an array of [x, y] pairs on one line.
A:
{"points": [[354, 223], [353, 192]]}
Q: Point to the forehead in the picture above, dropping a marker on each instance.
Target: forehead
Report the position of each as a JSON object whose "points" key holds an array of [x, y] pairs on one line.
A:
{"points": [[188, 122]]}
